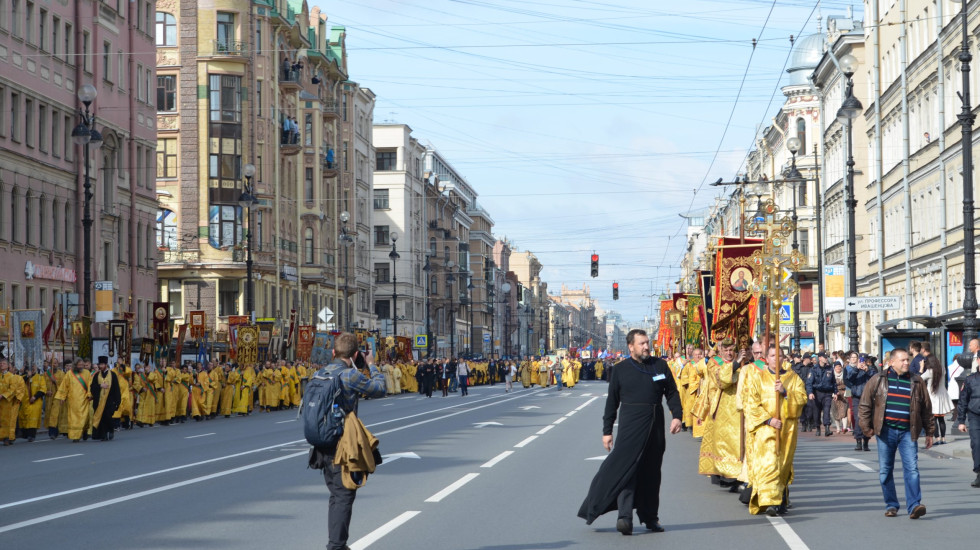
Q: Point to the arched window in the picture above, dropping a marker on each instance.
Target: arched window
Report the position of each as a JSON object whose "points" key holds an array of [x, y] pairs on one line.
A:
{"points": [[801, 135], [166, 29], [308, 245]]}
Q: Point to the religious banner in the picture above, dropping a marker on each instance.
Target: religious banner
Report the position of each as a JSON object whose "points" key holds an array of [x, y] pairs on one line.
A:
{"points": [[735, 272], [289, 341], [663, 333], [81, 332], [404, 346], [304, 343], [235, 321], [198, 322], [28, 349], [248, 344], [181, 334], [266, 329], [706, 287], [161, 323], [4, 323], [322, 348], [146, 350], [117, 338], [695, 329]]}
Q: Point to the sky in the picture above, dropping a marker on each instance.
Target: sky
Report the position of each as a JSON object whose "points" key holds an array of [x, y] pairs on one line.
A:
{"points": [[585, 126]]}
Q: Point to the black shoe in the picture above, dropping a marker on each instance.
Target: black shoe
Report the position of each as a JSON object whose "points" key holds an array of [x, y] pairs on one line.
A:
{"points": [[857, 446], [866, 447], [976, 482], [827, 431], [655, 526], [624, 526]]}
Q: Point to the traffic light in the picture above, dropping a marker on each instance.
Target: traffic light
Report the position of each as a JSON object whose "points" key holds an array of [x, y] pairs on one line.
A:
{"points": [[595, 265], [615, 291]]}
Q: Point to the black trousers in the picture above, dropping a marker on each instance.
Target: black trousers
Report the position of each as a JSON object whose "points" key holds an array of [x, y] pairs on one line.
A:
{"points": [[974, 429], [649, 477], [340, 508], [823, 401]]}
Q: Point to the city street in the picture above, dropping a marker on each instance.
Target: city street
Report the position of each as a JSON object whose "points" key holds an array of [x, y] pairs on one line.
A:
{"points": [[493, 470]]}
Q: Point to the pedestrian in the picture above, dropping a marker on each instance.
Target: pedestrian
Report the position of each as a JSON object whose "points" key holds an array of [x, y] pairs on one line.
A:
{"points": [[969, 408], [820, 387], [354, 382], [463, 373], [856, 376], [509, 374], [895, 408], [105, 398], [839, 406], [13, 390], [556, 365], [915, 350], [629, 477], [802, 369], [934, 375], [492, 371]]}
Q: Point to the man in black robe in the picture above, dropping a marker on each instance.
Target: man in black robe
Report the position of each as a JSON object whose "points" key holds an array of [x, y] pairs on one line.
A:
{"points": [[630, 476], [105, 401]]}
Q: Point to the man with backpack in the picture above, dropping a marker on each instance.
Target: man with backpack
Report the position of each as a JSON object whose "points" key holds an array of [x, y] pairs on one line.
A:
{"points": [[323, 392]]}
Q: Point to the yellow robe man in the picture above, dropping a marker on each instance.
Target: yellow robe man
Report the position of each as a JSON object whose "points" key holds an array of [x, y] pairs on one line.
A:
{"points": [[721, 444], [243, 395], [389, 374], [214, 391], [125, 409], [771, 451], [13, 390], [55, 415], [155, 377], [599, 367], [696, 382], [202, 384], [232, 382], [30, 413], [74, 394], [146, 411]]}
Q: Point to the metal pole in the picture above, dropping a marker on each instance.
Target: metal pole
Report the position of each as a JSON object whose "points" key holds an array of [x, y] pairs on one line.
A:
{"points": [[966, 119], [821, 321], [796, 274], [852, 330], [87, 227], [249, 289]]}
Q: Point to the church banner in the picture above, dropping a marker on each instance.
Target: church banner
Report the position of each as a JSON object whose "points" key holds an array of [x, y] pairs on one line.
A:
{"points": [[266, 328], [289, 341], [734, 303], [322, 348], [694, 334], [663, 333], [198, 323], [248, 345], [305, 342], [706, 287], [161, 323], [118, 332], [28, 347], [235, 321], [146, 351]]}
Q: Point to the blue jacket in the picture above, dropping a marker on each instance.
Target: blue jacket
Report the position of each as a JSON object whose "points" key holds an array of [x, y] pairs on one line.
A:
{"points": [[821, 379], [855, 378], [969, 398]]}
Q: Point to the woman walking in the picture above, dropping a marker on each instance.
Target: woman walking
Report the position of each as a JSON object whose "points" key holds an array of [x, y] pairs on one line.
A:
{"points": [[934, 375]]}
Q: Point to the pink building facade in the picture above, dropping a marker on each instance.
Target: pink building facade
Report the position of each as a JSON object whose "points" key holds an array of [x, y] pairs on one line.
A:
{"points": [[48, 51]]}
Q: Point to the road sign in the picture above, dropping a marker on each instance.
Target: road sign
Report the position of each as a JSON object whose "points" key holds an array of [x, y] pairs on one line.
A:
{"points": [[785, 329], [325, 315], [421, 341], [486, 338], [786, 312], [872, 303]]}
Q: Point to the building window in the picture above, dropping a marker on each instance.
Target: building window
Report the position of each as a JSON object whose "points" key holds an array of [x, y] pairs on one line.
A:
{"points": [[29, 23], [224, 225], [86, 49], [801, 189], [175, 297], [56, 35], [67, 50], [308, 245], [804, 235], [15, 17], [801, 134], [42, 128], [14, 116], [382, 308], [806, 298], [166, 229], [381, 234], [258, 231], [258, 98], [167, 93], [166, 29], [308, 185], [228, 297], [29, 122], [308, 129], [386, 160], [42, 23], [106, 55], [382, 273], [381, 199], [225, 98], [226, 30]]}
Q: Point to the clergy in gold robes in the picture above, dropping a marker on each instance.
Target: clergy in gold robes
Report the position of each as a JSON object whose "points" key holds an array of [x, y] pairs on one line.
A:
{"points": [[525, 374], [74, 394], [146, 394], [199, 391], [124, 414], [686, 378], [696, 386], [13, 391], [156, 379], [389, 373], [396, 374], [721, 444], [214, 391], [232, 382], [32, 405], [242, 403], [55, 416], [773, 403]]}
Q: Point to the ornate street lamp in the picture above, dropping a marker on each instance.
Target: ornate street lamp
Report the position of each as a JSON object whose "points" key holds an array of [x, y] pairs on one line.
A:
{"points": [[795, 178], [247, 200], [394, 281], [849, 110], [346, 240], [86, 134]]}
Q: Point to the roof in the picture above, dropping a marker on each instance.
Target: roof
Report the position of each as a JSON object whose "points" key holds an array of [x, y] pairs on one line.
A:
{"points": [[807, 52]]}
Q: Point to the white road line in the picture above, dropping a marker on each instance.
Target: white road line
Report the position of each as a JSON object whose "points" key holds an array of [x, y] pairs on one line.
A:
{"points": [[544, 430], [526, 441], [789, 535], [285, 421], [559, 421], [493, 461], [375, 536], [387, 404], [110, 502], [570, 413], [586, 404], [419, 423], [448, 490], [457, 405], [57, 458], [586, 395], [204, 435], [148, 474]]}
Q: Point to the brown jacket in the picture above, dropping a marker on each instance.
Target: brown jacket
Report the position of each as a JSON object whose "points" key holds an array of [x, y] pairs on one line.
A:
{"points": [[357, 453], [871, 411]]}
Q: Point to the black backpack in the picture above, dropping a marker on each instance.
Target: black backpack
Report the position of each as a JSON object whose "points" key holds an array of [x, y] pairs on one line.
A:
{"points": [[323, 391]]}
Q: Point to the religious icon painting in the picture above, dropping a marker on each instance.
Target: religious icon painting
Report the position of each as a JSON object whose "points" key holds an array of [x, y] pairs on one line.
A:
{"points": [[741, 279], [27, 329]]}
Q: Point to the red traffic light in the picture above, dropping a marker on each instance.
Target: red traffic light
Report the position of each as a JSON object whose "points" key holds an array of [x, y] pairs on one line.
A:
{"points": [[595, 257], [616, 286]]}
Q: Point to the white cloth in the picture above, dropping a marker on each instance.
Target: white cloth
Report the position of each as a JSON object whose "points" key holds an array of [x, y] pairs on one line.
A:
{"points": [[941, 402], [953, 371], [462, 369]]}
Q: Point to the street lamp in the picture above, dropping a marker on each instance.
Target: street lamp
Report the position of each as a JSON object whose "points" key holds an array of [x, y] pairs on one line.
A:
{"points": [[795, 178], [505, 288], [450, 279], [529, 314], [246, 201], [849, 110], [469, 289], [427, 268], [346, 240], [394, 281], [86, 134]]}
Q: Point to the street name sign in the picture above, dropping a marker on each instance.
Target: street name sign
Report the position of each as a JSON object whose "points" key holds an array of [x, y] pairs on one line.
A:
{"points": [[872, 303]]}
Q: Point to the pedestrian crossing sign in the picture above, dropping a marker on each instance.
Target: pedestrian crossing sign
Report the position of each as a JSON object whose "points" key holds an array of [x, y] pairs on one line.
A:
{"points": [[421, 341], [786, 313]]}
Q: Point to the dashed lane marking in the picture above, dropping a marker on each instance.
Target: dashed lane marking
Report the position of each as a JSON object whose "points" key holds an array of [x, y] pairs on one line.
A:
{"points": [[452, 488]]}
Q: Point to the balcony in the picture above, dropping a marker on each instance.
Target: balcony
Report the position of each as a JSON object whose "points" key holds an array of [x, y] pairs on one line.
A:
{"points": [[178, 256], [289, 79], [330, 169], [331, 110], [289, 143], [229, 48]]}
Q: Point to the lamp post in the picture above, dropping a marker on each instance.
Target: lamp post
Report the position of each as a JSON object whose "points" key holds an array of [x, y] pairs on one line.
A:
{"points": [[246, 201], [849, 110], [530, 317], [450, 279], [346, 240], [394, 282], [469, 291], [966, 119], [505, 288], [795, 178], [428, 313], [86, 134]]}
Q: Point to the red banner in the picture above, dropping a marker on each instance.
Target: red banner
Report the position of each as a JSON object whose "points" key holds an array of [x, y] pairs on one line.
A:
{"points": [[234, 321], [198, 320], [305, 343], [735, 307]]}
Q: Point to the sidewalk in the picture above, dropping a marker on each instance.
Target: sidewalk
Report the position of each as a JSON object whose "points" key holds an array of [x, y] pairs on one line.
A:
{"points": [[957, 444]]}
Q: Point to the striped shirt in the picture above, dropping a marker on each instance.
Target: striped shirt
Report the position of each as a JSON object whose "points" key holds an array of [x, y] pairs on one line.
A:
{"points": [[898, 406]]}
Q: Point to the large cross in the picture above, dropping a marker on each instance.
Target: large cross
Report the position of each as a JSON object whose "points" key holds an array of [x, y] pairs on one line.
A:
{"points": [[773, 265]]}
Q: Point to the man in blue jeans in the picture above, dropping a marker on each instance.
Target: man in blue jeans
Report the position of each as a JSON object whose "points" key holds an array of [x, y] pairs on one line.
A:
{"points": [[895, 407]]}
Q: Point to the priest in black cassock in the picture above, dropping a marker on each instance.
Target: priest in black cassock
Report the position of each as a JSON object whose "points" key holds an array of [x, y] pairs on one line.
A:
{"points": [[630, 476], [105, 401]]}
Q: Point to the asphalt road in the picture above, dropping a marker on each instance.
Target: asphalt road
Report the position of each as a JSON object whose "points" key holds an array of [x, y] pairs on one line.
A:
{"points": [[494, 470]]}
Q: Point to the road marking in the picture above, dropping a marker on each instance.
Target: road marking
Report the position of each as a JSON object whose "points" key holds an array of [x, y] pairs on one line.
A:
{"points": [[526, 441], [421, 422], [789, 535], [450, 489], [493, 461], [148, 474], [856, 462], [570, 413], [529, 407], [284, 421], [559, 421], [205, 435], [387, 404], [603, 457], [57, 457], [586, 404], [110, 502], [485, 424], [395, 456], [544, 430], [375, 536]]}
